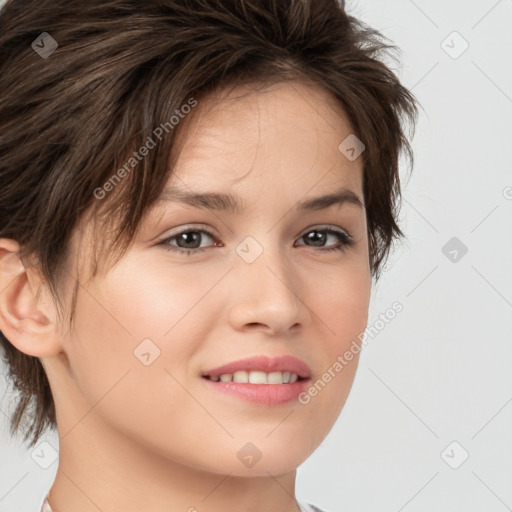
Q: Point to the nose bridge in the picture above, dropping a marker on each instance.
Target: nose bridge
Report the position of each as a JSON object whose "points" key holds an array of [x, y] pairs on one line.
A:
{"points": [[266, 284], [266, 260]]}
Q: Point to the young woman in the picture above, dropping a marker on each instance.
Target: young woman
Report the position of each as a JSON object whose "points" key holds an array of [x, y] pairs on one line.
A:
{"points": [[194, 199]]}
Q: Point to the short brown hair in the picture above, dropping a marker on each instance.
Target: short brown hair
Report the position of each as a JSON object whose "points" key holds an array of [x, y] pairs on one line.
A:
{"points": [[124, 67]]}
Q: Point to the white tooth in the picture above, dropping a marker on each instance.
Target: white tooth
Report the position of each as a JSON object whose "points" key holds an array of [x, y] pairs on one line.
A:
{"points": [[241, 376], [257, 377], [275, 378]]}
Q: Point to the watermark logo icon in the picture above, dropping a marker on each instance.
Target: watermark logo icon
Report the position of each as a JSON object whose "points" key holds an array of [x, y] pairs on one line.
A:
{"points": [[44, 455], [44, 45], [249, 249], [146, 352], [249, 454], [352, 147], [454, 45], [454, 455], [454, 250]]}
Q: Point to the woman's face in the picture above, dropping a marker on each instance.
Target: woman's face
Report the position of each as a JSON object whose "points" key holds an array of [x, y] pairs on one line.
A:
{"points": [[268, 281]]}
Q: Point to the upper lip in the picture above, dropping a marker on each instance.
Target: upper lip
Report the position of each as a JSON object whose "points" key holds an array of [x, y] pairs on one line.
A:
{"points": [[263, 364]]}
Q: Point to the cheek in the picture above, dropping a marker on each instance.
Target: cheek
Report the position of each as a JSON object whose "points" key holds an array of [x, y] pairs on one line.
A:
{"points": [[341, 312], [116, 318], [341, 304], [159, 297], [137, 399]]}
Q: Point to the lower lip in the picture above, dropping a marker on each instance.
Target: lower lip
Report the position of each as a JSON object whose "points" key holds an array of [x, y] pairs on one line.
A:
{"points": [[265, 394]]}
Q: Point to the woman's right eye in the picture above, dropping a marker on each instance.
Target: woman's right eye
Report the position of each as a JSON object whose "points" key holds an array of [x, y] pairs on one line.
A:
{"points": [[186, 237]]}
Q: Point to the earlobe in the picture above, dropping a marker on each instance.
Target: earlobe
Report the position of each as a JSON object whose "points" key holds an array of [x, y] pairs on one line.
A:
{"points": [[27, 322]]}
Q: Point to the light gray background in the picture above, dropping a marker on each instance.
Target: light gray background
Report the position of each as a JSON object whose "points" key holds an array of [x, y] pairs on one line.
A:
{"points": [[440, 371]]}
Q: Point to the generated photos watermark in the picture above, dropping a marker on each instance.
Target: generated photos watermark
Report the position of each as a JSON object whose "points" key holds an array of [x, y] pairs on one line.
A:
{"points": [[344, 359], [143, 151]]}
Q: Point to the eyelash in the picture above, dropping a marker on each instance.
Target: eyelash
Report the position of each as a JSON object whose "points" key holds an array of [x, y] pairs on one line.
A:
{"points": [[346, 240]]}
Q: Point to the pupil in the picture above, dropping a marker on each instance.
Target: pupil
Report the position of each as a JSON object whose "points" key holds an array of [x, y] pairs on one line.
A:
{"points": [[316, 236], [192, 235]]}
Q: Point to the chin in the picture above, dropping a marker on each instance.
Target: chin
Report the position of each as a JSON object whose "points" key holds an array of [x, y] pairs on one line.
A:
{"points": [[249, 461]]}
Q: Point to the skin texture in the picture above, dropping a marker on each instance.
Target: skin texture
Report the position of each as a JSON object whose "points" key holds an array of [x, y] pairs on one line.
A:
{"points": [[154, 438]]}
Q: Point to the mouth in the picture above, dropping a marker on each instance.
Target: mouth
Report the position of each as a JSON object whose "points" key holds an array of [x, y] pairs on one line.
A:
{"points": [[260, 380]]}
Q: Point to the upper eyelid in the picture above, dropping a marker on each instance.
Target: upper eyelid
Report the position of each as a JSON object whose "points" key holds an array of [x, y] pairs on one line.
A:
{"points": [[190, 228]]}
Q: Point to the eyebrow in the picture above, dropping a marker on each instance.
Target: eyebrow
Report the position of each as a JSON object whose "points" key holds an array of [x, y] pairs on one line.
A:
{"points": [[229, 203]]}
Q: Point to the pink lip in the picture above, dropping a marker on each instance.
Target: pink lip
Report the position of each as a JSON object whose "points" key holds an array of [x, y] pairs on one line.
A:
{"points": [[263, 364], [265, 394]]}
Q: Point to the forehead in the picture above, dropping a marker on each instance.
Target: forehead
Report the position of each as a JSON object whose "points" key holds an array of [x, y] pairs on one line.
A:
{"points": [[286, 135]]}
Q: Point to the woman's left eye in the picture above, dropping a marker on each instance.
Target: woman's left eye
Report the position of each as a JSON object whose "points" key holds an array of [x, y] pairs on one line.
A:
{"points": [[345, 240], [194, 237]]}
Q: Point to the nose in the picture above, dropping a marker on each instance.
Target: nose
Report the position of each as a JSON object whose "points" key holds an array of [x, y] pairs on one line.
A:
{"points": [[266, 295]]}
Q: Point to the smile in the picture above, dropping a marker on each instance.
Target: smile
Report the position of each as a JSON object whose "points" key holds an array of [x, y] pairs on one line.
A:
{"points": [[257, 377]]}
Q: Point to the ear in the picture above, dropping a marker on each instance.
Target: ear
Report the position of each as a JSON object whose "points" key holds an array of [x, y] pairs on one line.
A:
{"points": [[28, 322]]}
